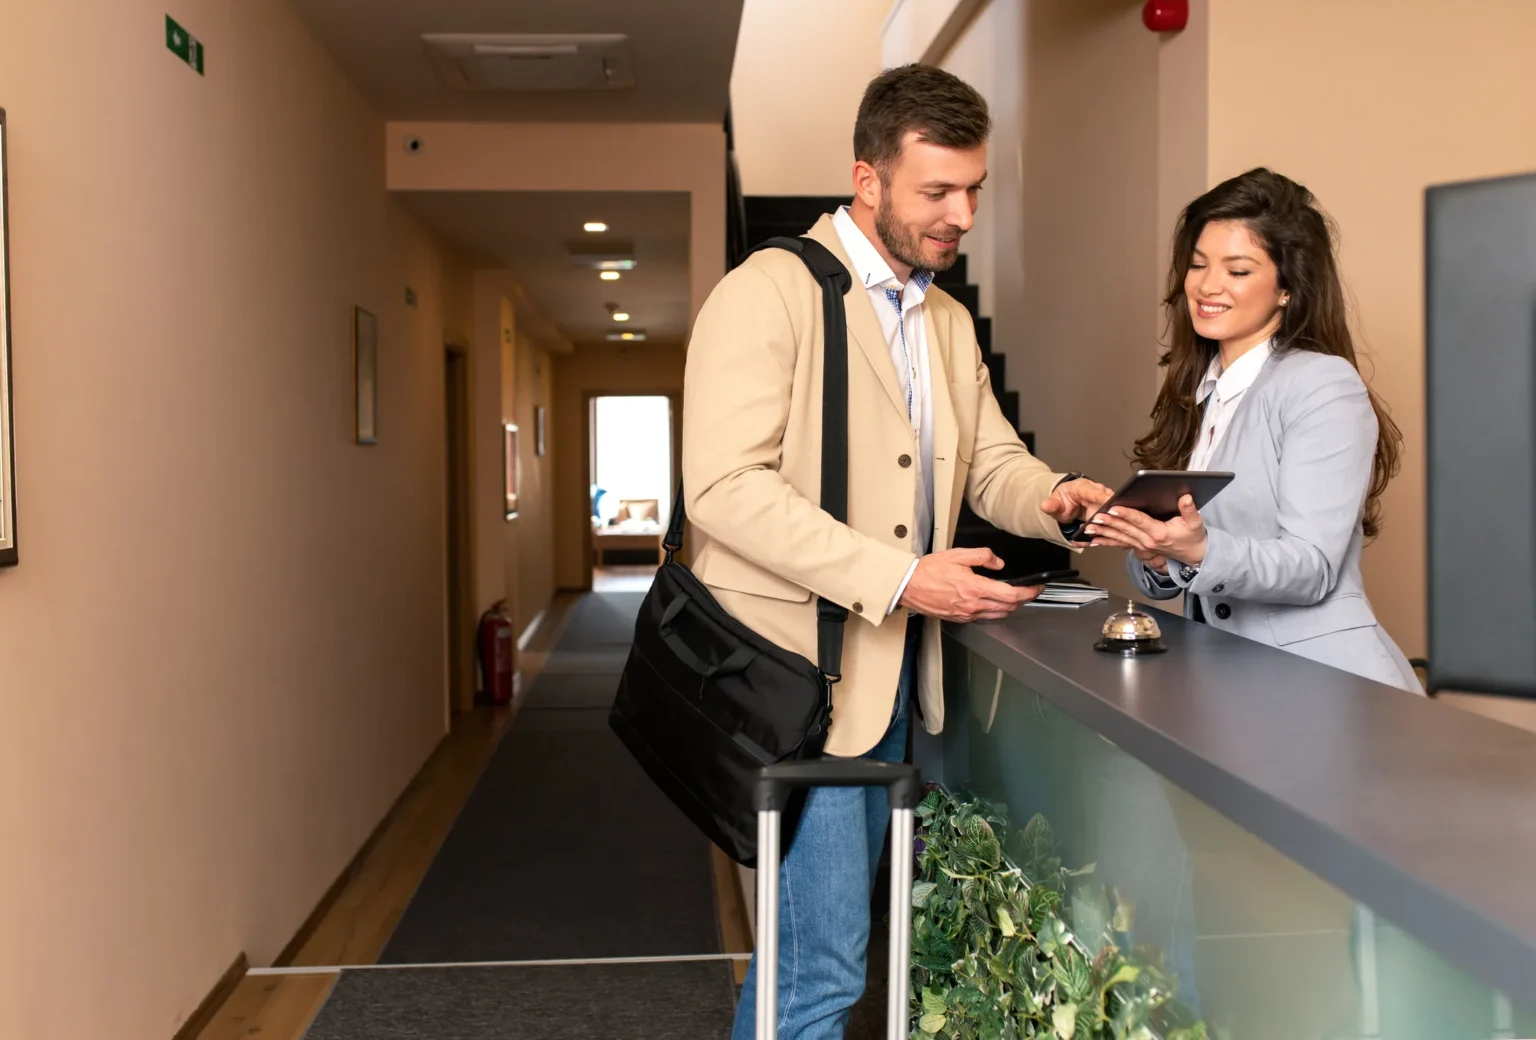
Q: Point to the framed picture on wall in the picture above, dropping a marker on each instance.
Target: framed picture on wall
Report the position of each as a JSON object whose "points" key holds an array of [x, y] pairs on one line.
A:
{"points": [[540, 430], [8, 554], [510, 468], [365, 374]]}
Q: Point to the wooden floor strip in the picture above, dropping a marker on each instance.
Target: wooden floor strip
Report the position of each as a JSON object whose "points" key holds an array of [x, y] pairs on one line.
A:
{"points": [[273, 1008], [735, 926]]}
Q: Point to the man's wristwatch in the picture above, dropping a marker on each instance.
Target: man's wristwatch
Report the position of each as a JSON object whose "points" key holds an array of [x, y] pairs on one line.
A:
{"points": [[1072, 530]]}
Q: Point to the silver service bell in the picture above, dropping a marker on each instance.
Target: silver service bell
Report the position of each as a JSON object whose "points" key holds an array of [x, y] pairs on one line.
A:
{"points": [[1130, 633]]}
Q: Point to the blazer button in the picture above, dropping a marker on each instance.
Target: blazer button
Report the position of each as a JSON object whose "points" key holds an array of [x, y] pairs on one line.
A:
{"points": [[1223, 611], [1220, 588], [901, 530], [858, 608], [904, 461]]}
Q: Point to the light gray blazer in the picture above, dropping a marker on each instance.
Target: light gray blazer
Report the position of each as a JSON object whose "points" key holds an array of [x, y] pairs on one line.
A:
{"points": [[1282, 564]]}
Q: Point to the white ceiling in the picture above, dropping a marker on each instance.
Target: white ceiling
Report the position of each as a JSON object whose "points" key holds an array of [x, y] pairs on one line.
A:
{"points": [[526, 232], [682, 51]]}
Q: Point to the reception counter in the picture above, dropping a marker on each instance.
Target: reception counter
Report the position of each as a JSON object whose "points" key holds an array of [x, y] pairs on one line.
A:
{"points": [[1315, 855]]}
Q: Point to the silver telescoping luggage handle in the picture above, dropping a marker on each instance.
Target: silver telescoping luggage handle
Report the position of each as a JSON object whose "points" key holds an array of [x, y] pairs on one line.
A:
{"points": [[903, 784]]}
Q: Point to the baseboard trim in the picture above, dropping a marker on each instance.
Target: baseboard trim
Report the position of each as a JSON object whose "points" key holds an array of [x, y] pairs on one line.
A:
{"points": [[532, 629], [204, 1013], [328, 900]]}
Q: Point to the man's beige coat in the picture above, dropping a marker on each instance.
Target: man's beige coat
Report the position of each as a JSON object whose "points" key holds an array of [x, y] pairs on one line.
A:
{"points": [[752, 472]]}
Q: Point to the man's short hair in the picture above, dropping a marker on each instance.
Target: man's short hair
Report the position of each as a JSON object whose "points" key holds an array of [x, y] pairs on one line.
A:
{"points": [[943, 108]]}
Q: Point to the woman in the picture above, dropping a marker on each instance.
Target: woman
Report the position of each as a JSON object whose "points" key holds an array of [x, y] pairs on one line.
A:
{"points": [[1262, 381]]}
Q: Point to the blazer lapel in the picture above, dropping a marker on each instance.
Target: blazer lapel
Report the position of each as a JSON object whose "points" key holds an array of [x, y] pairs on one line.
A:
{"points": [[863, 325], [1237, 428], [946, 429]]}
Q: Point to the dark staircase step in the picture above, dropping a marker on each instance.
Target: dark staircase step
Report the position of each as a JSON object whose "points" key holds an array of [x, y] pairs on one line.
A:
{"points": [[997, 365], [1008, 400], [772, 216], [968, 296], [984, 335], [956, 275]]}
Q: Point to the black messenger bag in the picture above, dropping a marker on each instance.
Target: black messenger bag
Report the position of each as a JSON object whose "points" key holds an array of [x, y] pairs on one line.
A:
{"points": [[705, 702]]}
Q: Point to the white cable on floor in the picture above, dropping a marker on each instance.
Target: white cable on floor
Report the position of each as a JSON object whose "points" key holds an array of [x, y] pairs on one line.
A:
{"points": [[336, 969]]}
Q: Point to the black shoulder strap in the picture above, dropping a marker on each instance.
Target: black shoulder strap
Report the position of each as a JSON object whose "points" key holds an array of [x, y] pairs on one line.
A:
{"points": [[835, 281]]}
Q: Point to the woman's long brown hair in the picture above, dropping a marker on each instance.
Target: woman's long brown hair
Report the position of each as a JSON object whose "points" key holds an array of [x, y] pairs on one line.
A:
{"points": [[1285, 219]]}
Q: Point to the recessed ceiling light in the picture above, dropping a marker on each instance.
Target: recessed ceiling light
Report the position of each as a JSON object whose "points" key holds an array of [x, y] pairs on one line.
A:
{"points": [[626, 337], [620, 315], [609, 276], [597, 227]]}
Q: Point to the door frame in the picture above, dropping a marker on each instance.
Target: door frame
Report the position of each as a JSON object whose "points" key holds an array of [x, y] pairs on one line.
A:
{"points": [[674, 396], [458, 645]]}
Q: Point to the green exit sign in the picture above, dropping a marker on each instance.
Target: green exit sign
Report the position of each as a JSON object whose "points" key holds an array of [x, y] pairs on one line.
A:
{"points": [[183, 44]]}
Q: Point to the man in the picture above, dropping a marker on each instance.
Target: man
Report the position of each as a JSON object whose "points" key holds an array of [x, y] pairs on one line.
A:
{"points": [[924, 431]]}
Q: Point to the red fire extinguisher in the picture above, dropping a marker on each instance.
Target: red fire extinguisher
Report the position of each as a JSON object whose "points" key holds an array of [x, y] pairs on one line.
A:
{"points": [[497, 654]]}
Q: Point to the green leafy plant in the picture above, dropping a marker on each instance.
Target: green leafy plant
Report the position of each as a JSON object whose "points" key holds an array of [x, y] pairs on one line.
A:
{"points": [[993, 954]]}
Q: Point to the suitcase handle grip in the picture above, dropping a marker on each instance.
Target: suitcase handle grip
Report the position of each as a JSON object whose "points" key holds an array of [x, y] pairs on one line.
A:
{"points": [[903, 782]]}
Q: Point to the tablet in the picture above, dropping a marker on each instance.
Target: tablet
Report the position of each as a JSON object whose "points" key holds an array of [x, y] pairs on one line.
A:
{"points": [[1156, 492]]}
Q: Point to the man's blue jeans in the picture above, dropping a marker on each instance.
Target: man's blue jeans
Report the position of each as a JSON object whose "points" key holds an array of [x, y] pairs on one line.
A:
{"points": [[826, 883]]}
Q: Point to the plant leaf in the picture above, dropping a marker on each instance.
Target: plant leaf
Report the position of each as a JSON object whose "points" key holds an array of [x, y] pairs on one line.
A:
{"points": [[931, 1024], [923, 891], [1127, 973], [1004, 922], [933, 1002], [1064, 1020]]}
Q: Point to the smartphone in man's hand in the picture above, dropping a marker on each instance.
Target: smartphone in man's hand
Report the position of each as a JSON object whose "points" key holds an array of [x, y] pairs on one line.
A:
{"points": [[1042, 578]]}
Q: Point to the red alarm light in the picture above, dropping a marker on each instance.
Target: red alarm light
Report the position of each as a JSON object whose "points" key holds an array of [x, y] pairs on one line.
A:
{"points": [[1166, 15]]}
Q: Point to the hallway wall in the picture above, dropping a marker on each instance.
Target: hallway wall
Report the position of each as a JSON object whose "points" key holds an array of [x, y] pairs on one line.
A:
{"points": [[531, 563], [221, 658], [1395, 98], [1092, 268], [801, 68]]}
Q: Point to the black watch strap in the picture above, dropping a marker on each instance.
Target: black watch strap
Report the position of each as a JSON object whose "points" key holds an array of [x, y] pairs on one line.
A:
{"points": [[1075, 528]]}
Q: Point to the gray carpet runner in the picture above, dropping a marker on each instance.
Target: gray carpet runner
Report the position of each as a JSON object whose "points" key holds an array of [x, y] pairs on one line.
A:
{"points": [[676, 1001], [564, 850]]}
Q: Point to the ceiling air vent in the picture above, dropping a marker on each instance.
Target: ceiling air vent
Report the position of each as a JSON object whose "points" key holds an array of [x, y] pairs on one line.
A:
{"points": [[532, 61]]}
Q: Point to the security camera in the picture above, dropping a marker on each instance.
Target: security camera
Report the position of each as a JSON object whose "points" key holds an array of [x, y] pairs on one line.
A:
{"points": [[413, 145]]}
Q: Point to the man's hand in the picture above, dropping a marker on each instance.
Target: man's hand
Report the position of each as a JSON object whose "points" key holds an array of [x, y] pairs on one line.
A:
{"points": [[1075, 500], [944, 586]]}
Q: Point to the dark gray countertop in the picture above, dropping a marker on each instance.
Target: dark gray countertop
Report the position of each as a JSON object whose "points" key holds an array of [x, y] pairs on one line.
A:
{"points": [[1423, 811]]}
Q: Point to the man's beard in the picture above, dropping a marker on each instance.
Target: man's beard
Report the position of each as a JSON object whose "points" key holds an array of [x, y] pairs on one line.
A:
{"points": [[907, 246]]}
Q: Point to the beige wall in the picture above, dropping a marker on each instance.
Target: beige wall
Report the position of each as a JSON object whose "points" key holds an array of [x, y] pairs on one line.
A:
{"points": [[595, 371], [222, 656], [513, 376], [1091, 233], [801, 68], [991, 57], [531, 566], [1395, 97], [925, 30]]}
